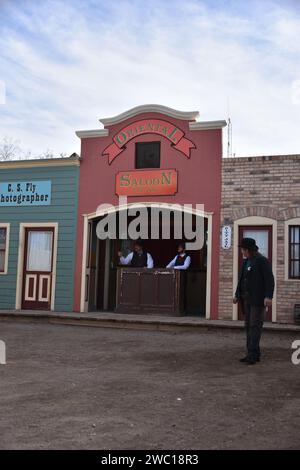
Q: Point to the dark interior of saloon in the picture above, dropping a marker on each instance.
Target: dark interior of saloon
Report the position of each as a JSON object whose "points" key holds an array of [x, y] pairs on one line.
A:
{"points": [[114, 287]]}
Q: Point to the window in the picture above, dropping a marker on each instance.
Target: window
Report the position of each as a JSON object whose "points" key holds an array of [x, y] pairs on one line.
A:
{"points": [[39, 251], [4, 235], [294, 251], [147, 155]]}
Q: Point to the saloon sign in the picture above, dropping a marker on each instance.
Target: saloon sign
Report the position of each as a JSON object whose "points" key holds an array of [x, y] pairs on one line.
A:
{"points": [[149, 126], [146, 183]]}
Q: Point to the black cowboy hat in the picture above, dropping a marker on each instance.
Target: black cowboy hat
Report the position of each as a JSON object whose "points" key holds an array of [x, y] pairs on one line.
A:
{"points": [[248, 244]]}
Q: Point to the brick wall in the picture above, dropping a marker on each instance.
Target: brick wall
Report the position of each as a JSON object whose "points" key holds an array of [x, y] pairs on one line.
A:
{"points": [[267, 187]]}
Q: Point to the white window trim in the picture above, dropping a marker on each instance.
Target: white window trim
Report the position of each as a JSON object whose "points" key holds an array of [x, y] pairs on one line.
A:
{"points": [[23, 226], [260, 221], [7, 226], [287, 224]]}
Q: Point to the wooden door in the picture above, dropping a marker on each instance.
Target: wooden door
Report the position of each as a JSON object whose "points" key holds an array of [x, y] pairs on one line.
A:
{"points": [[37, 270], [262, 234]]}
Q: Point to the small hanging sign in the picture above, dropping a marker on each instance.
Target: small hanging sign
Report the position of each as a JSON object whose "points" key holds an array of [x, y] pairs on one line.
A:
{"points": [[226, 237]]}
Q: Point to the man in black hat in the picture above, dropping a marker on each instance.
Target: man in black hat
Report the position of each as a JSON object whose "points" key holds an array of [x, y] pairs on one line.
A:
{"points": [[255, 292], [138, 258]]}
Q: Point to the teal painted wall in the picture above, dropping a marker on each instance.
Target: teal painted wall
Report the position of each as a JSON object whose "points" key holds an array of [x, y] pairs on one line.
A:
{"points": [[63, 210]]}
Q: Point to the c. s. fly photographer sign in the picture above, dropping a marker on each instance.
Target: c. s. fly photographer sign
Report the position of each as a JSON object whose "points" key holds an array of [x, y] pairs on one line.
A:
{"points": [[25, 193]]}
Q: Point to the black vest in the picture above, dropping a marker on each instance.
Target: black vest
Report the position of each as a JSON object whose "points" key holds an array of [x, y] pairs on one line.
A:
{"points": [[139, 260], [180, 260]]}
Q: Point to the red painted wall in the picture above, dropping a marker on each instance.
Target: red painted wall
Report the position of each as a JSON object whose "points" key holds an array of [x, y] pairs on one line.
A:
{"points": [[199, 181]]}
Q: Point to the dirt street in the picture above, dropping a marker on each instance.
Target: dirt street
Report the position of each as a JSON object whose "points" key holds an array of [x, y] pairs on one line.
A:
{"points": [[68, 387]]}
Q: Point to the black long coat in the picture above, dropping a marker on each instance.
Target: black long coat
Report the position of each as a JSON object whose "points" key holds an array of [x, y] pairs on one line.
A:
{"points": [[259, 280]]}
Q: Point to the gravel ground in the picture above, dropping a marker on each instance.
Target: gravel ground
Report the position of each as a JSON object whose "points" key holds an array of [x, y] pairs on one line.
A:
{"points": [[70, 387]]}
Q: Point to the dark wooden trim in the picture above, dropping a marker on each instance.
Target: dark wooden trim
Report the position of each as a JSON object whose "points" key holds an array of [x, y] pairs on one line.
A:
{"points": [[290, 260], [5, 249], [36, 305]]}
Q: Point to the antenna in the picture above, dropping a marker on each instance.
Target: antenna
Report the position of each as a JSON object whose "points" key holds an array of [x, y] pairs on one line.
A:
{"points": [[229, 131], [229, 138]]}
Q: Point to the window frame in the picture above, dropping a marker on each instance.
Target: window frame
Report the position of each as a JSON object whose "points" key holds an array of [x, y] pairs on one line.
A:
{"points": [[6, 251], [290, 244], [136, 155]]}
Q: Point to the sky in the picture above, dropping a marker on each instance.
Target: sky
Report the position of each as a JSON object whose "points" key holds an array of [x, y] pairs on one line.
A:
{"points": [[66, 64]]}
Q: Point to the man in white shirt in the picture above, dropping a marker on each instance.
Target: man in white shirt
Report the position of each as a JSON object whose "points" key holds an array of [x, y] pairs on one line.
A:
{"points": [[182, 260], [138, 258]]}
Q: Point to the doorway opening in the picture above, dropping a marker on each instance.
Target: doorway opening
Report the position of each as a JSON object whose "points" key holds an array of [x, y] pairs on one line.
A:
{"points": [[37, 259], [263, 235], [102, 263]]}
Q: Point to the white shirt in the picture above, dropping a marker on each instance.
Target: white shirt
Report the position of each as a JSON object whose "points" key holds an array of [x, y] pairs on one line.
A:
{"points": [[128, 259], [185, 265]]}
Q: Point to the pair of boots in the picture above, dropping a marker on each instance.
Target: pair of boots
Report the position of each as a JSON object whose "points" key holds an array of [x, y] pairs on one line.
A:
{"points": [[250, 361]]}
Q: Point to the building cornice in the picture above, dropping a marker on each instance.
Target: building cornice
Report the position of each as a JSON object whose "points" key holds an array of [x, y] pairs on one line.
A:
{"points": [[263, 158], [205, 125], [71, 161], [150, 108], [153, 108], [92, 133]]}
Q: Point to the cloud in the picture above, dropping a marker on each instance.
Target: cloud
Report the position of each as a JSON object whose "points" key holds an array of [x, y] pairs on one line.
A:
{"points": [[66, 64]]}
